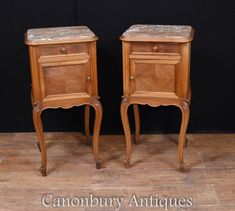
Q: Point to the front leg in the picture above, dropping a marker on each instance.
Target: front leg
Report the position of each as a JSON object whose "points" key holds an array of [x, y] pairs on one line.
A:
{"points": [[189, 102], [137, 123], [87, 124], [37, 110], [184, 123], [127, 131], [98, 118]]}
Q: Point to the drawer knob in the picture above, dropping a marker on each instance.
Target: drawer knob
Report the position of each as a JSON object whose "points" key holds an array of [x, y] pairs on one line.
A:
{"points": [[88, 78], [63, 50], [131, 77], [155, 48]]}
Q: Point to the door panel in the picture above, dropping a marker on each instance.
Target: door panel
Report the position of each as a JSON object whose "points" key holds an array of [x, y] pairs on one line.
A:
{"points": [[64, 79], [157, 78], [153, 75], [63, 76]]}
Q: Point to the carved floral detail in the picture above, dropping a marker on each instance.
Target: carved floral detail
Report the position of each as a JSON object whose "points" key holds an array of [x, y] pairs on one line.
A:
{"points": [[96, 101], [125, 99], [185, 104]]}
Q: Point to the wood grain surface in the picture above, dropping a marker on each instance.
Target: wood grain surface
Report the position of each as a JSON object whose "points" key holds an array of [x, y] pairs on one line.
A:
{"points": [[71, 170]]}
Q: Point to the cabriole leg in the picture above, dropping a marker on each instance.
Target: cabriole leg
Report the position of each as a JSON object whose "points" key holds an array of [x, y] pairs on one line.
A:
{"points": [[37, 110], [98, 117], [137, 123], [126, 127], [184, 123], [189, 102], [87, 124]]}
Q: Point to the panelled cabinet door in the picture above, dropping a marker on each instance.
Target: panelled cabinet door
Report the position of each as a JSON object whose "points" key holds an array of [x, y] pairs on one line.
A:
{"points": [[154, 75], [65, 75]]}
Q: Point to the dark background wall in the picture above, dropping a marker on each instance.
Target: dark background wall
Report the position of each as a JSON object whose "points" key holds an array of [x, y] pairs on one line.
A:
{"points": [[212, 66]]}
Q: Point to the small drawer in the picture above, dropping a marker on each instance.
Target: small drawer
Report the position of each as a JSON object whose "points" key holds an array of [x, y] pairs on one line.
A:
{"points": [[63, 49], [154, 47]]}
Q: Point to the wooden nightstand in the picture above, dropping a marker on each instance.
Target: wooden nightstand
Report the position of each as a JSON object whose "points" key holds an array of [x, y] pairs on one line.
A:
{"points": [[64, 74], [156, 67]]}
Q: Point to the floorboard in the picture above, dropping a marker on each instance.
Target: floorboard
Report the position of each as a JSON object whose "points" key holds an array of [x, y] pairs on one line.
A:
{"points": [[72, 173]]}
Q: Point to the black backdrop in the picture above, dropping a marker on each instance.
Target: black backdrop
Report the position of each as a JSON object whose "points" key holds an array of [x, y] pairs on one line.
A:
{"points": [[212, 66]]}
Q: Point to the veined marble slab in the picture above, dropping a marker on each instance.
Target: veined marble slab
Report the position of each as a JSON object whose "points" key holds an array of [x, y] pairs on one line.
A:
{"points": [[58, 34], [167, 32]]}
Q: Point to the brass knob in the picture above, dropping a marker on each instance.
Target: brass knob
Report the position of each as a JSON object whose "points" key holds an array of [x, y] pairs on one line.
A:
{"points": [[131, 77], [155, 48], [63, 50], [88, 78]]}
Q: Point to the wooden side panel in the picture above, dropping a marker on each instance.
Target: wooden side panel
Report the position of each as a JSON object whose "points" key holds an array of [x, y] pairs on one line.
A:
{"points": [[184, 67], [36, 91], [126, 66], [93, 68]]}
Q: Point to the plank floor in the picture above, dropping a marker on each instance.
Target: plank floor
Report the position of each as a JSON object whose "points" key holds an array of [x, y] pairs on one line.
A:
{"points": [[72, 172]]}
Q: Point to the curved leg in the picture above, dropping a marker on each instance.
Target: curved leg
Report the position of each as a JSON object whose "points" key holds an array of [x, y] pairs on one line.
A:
{"points": [[87, 124], [189, 102], [137, 123], [98, 117], [189, 96], [126, 126], [186, 141], [38, 145], [184, 123], [39, 131], [33, 103]]}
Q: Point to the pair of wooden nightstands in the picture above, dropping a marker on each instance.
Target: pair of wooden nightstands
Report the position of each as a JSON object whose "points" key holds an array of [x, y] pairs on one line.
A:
{"points": [[64, 74]]}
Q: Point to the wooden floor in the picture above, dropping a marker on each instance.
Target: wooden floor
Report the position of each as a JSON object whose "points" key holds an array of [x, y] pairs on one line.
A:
{"points": [[71, 170]]}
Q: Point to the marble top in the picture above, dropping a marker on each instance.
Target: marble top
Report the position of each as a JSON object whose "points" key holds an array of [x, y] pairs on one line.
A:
{"points": [[59, 34], [161, 32]]}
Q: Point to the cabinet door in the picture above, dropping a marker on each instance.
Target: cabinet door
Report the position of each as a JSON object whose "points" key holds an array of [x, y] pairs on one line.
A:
{"points": [[65, 75], [154, 75]]}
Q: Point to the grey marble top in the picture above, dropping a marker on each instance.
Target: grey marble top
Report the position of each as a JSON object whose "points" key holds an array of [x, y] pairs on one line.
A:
{"points": [[55, 34], [158, 31]]}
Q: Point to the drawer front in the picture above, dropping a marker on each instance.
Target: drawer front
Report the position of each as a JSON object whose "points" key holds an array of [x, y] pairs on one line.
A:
{"points": [[65, 77], [150, 48], [154, 75], [63, 49]]}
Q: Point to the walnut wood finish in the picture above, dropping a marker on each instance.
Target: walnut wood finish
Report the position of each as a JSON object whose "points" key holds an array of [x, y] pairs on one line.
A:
{"points": [[156, 71], [64, 74]]}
